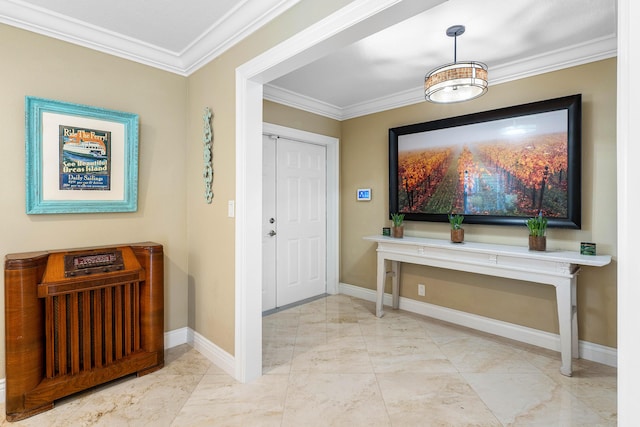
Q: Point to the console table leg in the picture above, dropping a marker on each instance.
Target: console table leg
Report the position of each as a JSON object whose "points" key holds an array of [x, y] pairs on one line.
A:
{"points": [[565, 295], [395, 284], [575, 351], [382, 274]]}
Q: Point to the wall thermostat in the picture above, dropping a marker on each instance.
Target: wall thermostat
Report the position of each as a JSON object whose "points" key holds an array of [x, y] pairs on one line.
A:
{"points": [[364, 194]]}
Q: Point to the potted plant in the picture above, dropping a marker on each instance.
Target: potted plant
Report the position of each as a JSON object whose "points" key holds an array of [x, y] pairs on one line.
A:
{"points": [[398, 229], [457, 232], [537, 228]]}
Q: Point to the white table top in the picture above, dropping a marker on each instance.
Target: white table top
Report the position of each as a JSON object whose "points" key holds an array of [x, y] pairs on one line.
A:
{"points": [[513, 251]]}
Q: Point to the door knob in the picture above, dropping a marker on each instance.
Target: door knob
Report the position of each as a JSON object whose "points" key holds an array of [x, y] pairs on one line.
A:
{"points": [[272, 233]]}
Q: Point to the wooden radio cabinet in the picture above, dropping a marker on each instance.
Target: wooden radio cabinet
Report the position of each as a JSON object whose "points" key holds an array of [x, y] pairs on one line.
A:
{"points": [[78, 318]]}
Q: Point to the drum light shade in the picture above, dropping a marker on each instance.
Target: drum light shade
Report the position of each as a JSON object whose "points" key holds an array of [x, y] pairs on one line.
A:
{"points": [[458, 81]]}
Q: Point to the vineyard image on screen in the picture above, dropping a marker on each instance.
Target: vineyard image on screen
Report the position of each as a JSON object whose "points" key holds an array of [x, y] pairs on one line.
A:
{"points": [[510, 167]]}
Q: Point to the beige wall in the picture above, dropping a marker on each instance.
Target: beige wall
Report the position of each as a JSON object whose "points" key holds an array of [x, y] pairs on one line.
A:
{"points": [[39, 66], [364, 163], [211, 234]]}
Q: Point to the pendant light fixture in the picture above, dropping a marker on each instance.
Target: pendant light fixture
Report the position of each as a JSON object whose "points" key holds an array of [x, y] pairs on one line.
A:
{"points": [[458, 81]]}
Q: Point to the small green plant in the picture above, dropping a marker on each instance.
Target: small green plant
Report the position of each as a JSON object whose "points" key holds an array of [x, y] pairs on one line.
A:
{"points": [[397, 219], [537, 225], [456, 221]]}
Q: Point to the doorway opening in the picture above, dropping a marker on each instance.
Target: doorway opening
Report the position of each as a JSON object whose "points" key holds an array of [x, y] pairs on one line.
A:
{"points": [[337, 30]]}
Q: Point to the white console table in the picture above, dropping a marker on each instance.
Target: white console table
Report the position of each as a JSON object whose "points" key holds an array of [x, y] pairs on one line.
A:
{"points": [[557, 268]]}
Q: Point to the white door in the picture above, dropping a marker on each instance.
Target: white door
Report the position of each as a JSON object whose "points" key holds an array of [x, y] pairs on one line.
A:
{"points": [[301, 207], [268, 223], [299, 223]]}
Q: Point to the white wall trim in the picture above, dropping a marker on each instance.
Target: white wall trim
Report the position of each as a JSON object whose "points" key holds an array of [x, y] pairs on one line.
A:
{"points": [[589, 351], [176, 337], [628, 151], [301, 102], [212, 352], [3, 390], [248, 238], [245, 19], [51, 24]]}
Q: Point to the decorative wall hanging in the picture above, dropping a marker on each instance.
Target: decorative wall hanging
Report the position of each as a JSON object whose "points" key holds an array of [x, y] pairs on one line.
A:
{"points": [[79, 158], [495, 167], [207, 174]]}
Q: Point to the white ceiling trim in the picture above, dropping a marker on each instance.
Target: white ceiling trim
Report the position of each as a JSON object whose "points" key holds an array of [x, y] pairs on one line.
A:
{"points": [[301, 102], [572, 56], [51, 24], [222, 35], [231, 29], [579, 54]]}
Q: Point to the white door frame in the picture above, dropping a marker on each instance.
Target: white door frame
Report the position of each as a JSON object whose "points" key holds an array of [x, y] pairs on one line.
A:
{"points": [[355, 21], [332, 145], [628, 152]]}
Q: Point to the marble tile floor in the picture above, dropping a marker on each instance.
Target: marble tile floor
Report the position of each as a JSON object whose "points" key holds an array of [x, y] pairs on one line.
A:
{"points": [[331, 362]]}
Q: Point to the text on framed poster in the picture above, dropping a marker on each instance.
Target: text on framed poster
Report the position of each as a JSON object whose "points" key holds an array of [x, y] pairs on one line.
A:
{"points": [[85, 162]]}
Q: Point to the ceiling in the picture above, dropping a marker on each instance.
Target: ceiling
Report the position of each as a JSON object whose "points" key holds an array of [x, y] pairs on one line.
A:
{"points": [[385, 70]]}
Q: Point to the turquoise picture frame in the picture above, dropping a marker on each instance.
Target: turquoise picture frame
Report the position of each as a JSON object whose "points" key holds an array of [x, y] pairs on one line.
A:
{"points": [[79, 158]]}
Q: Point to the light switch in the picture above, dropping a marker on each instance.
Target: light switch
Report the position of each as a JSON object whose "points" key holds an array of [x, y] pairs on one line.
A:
{"points": [[231, 211]]}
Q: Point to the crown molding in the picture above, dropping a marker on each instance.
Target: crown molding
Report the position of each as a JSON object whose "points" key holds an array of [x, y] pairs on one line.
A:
{"points": [[42, 21], [236, 25], [579, 54], [301, 102], [594, 50], [244, 19]]}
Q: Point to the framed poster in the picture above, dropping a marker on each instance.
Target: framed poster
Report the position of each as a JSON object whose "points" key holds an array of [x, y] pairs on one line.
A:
{"points": [[80, 159], [494, 167]]}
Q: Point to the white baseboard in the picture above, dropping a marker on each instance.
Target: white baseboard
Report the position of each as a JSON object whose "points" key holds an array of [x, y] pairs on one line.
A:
{"points": [[589, 351], [176, 337], [215, 354]]}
